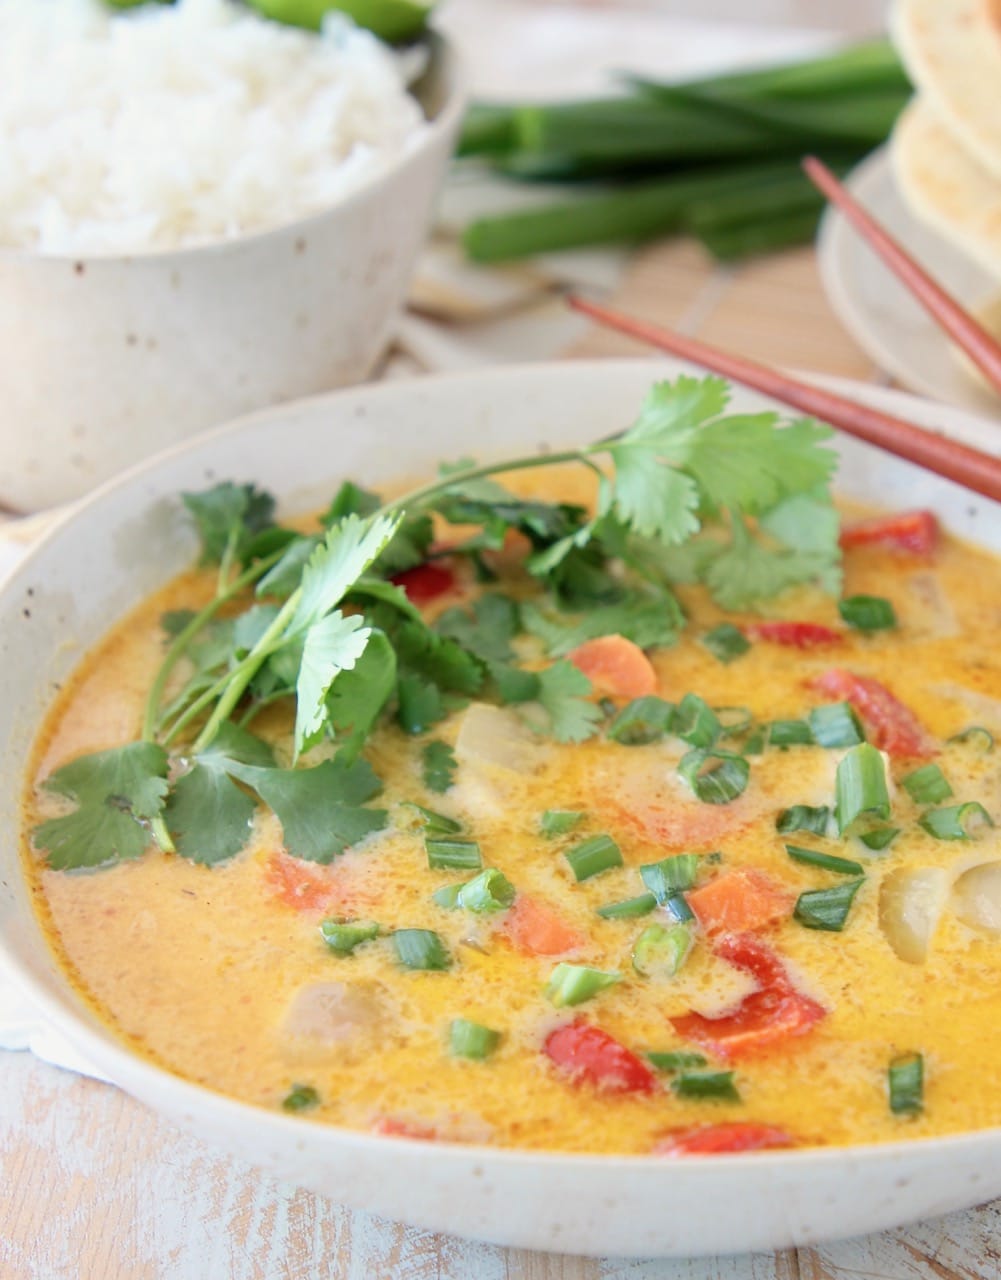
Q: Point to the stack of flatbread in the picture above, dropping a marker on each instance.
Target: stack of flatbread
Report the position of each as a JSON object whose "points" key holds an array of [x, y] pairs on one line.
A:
{"points": [[946, 148]]}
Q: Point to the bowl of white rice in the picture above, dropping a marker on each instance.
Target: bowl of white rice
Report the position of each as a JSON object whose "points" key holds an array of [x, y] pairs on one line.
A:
{"points": [[201, 213]]}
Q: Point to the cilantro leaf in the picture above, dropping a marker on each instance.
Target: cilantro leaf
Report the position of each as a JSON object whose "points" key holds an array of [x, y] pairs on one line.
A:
{"points": [[420, 703], [333, 644], [343, 556], [437, 658], [646, 619], [357, 696], [228, 516], [283, 578], [321, 810], [115, 792], [748, 570], [562, 695], [657, 501], [350, 500], [438, 765], [487, 630], [208, 816]]}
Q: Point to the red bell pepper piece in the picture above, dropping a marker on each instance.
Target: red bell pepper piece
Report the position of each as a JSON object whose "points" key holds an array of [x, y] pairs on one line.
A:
{"points": [[591, 1056], [913, 532], [892, 727], [722, 1140], [795, 635], [426, 582]]}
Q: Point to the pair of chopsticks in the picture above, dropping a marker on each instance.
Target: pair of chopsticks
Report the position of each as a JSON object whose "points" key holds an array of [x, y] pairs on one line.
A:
{"points": [[957, 462]]}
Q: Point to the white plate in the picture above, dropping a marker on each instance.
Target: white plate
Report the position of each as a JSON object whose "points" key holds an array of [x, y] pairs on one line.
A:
{"points": [[879, 311], [129, 538]]}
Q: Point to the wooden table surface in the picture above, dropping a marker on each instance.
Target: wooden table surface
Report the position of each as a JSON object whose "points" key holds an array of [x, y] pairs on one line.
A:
{"points": [[97, 1188]]}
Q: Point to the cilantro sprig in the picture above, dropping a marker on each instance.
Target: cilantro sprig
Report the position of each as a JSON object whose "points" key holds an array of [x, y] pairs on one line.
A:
{"points": [[739, 503]]}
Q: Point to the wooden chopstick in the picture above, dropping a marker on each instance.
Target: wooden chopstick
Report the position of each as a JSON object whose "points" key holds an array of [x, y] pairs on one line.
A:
{"points": [[977, 471], [982, 348]]}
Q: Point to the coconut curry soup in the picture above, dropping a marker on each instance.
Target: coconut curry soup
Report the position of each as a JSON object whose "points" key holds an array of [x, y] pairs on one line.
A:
{"points": [[629, 799]]}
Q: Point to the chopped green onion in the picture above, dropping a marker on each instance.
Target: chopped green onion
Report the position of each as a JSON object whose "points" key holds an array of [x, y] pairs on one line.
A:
{"points": [[630, 909], [437, 823], [421, 949], [695, 722], [463, 855], [927, 785], [957, 822], [661, 950], [754, 743], [726, 642], [789, 733], [342, 936], [868, 613], [706, 1084], [860, 787], [715, 783], [879, 838], [836, 725], [670, 876], [641, 721], [977, 734], [676, 906], [572, 984], [486, 893], [557, 822], [676, 1060], [803, 817], [734, 720], [905, 1079], [826, 861], [471, 1040], [592, 856], [827, 908], [301, 1097]]}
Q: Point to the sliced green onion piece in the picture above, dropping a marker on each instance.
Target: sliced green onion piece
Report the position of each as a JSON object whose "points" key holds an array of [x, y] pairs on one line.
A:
{"points": [[754, 743], [927, 785], [860, 786], [716, 777], [803, 817], [471, 1040], [879, 838], [726, 642], [676, 1060], [676, 906], [572, 984], [957, 822], [868, 613], [301, 1097], [437, 823], [671, 875], [789, 733], [421, 949], [706, 1084], [629, 909], [827, 908], [592, 856], [734, 720], [661, 950], [826, 861], [557, 822], [695, 722], [641, 721], [463, 855], [836, 725], [486, 893], [343, 936], [977, 734], [905, 1080]]}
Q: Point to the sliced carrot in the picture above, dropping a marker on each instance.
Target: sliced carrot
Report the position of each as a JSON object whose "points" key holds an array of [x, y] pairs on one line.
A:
{"points": [[308, 886], [394, 1127], [740, 901], [682, 824], [892, 727], [537, 930], [616, 667], [722, 1139]]}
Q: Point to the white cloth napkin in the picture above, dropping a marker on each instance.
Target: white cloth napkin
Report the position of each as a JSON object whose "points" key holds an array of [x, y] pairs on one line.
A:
{"points": [[462, 316]]}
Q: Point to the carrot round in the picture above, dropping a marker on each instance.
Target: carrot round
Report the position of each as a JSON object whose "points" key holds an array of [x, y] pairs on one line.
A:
{"points": [[616, 667]]}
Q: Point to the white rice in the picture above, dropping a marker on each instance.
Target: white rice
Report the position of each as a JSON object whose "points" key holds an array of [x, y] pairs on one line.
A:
{"points": [[167, 126]]}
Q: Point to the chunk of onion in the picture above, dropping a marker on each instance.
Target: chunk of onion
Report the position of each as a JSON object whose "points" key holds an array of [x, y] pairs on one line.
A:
{"points": [[493, 736], [330, 1013], [977, 898], [911, 902]]}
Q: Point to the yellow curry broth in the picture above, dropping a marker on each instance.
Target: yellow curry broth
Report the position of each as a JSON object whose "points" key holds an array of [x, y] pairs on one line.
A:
{"points": [[197, 968]]}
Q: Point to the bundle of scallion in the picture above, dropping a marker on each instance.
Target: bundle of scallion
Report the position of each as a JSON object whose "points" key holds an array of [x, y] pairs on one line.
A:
{"points": [[716, 157]]}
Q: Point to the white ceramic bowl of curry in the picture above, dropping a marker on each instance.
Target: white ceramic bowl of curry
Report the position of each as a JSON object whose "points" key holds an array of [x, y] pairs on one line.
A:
{"points": [[128, 540]]}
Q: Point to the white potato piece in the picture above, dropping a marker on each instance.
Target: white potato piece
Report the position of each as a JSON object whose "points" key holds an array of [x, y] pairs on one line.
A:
{"points": [[977, 898], [911, 902], [330, 1013], [492, 736]]}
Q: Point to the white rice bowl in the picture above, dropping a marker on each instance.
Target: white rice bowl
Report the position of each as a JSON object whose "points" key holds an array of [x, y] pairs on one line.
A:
{"points": [[168, 126]]}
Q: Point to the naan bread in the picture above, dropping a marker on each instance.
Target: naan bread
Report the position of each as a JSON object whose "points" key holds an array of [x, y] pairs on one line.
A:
{"points": [[944, 186], [952, 51]]}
